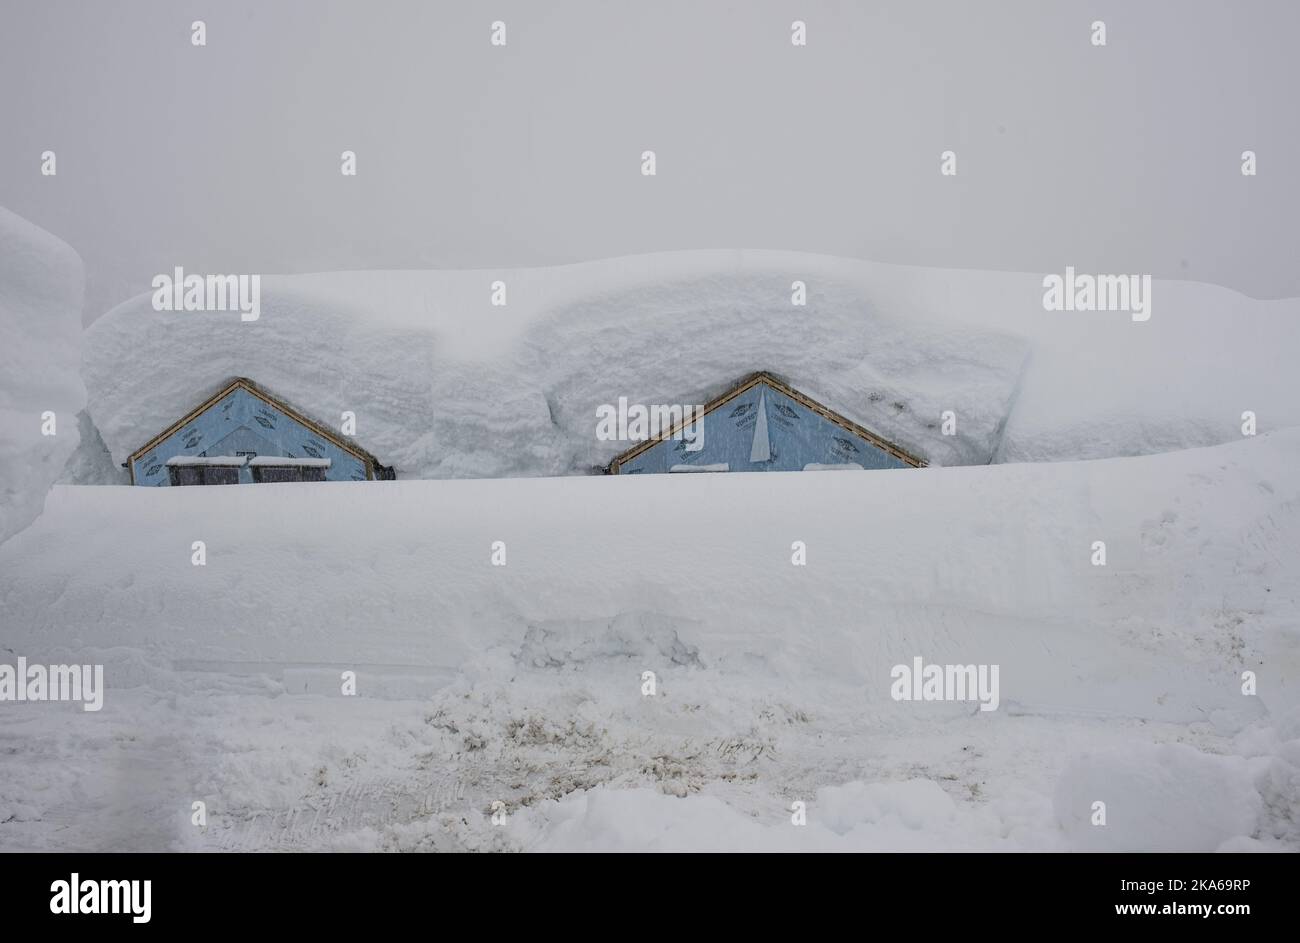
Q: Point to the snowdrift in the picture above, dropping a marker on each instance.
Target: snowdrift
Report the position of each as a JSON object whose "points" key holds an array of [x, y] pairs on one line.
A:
{"points": [[522, 683], [446, 385], [41, 285], [991, 564]]}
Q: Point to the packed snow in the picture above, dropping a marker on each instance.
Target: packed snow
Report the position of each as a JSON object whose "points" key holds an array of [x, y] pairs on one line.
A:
{"points": [[445, 384], [462, 664], [218, 460], [518, 689], [41, 284]]}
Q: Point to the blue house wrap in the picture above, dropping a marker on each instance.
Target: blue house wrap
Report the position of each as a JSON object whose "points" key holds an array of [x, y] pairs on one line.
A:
{"points": [[764, 425], [243, 420]]}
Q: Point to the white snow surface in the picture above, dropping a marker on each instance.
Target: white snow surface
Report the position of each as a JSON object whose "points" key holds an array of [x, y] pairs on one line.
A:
{"points": [[282, 461], [444, 384], [696, 469], [208, 460], [522, 684], [41, 284]]}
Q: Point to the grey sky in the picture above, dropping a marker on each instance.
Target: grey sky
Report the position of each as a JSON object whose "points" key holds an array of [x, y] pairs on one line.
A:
{"points": [[226, 158]]}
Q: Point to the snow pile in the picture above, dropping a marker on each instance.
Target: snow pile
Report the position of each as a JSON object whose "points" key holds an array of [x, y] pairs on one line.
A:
{"points": [[91, 463], [632, 635], [1171, 797], [446, 384], [523, 684], [41, 284], [914, 815], [401, 573]]}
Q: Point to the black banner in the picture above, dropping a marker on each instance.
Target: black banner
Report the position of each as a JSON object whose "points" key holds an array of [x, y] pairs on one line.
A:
{"points": [[1166, 893]]}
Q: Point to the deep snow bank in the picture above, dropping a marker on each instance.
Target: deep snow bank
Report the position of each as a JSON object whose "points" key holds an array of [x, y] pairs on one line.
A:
{"points": [[41, 284], [445, 384], [959, 565], [522, 683]]}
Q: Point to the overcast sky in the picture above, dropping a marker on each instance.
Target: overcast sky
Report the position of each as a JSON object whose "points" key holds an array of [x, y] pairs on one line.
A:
{"points": [[226, 158]]}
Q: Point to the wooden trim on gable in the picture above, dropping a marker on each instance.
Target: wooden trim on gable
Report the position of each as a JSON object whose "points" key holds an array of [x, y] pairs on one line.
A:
{"points": [[370, 462], [749, 383]]}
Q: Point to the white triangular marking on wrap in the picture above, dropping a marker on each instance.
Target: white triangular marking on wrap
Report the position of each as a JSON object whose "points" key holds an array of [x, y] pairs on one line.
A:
{"points": [[761, 450]]}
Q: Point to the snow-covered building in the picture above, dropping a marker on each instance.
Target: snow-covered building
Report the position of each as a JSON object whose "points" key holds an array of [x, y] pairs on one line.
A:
{"points": [[956, 367], [244, 435], [761, 424]]}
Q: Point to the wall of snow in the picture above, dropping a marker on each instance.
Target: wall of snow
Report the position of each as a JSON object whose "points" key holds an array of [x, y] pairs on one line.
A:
{"points": [[91, 463], [41, 284], [766, 669], [982, 564]]}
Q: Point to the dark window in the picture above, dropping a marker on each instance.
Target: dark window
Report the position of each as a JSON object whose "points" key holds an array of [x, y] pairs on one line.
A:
{"points": [[186, 474], [271, 474], [203, 474], [220, 475], [268, 474]]}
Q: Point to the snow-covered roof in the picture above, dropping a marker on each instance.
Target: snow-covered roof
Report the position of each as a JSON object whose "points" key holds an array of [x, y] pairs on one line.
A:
{"points": [[443, 383], [761, 444]]}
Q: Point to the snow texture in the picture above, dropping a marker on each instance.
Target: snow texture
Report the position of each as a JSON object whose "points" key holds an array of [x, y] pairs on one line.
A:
{"points": [[445, 385], [41, 284], [691, 469], [522, 684], [520, 687], [281, 461], [219, 460]]}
